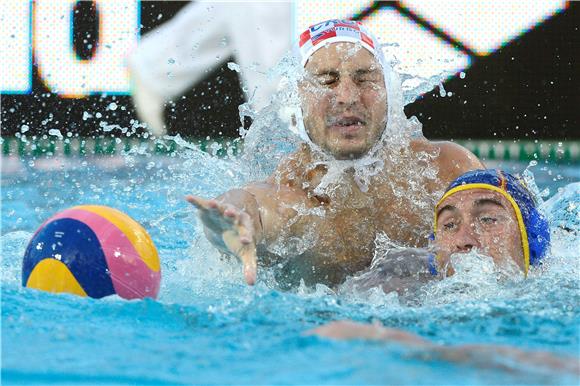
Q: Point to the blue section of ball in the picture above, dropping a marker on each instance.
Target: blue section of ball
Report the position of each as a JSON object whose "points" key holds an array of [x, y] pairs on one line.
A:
{"points": [[77, 246]]}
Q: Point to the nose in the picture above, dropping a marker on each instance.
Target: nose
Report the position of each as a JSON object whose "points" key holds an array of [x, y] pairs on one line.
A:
{"points": [[346, 92], [466, 238]]}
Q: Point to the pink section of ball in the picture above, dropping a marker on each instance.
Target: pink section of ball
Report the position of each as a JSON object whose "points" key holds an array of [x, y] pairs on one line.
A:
{"points": [[131, 277]]}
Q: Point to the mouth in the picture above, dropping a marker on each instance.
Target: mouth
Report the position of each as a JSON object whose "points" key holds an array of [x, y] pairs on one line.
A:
{"points": [[346, 125]]}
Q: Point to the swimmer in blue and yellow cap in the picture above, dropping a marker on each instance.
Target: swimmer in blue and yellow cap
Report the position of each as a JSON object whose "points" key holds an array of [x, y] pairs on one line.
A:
{"points": [[495, 213], [489, 212]]}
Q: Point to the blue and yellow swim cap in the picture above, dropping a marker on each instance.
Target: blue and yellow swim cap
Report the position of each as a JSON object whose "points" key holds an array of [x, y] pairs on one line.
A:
{"points": [[535, 232]]}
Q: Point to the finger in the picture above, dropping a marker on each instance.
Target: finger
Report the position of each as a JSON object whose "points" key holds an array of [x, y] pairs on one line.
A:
{"points": [[195, 201], [249, 261], [201, 203], [245, 252], [245, 228], [230, 211]]}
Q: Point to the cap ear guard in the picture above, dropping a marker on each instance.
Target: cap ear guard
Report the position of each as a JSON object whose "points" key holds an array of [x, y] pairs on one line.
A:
{"points": [[293, 116], [538, 236], [536, 224]]}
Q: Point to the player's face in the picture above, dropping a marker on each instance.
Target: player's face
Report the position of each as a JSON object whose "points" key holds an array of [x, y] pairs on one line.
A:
{"points": [[481, 219], [344, 100]]}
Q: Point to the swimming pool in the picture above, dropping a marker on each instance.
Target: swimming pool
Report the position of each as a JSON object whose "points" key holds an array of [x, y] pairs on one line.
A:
{"points": [[208, 327]]}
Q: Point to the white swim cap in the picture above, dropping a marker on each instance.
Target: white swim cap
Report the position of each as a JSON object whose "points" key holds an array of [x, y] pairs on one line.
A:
{"points": [[334, 31]]}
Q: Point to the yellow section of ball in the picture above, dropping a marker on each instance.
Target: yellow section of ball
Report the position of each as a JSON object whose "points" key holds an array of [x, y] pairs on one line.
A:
{"points": [[52, 275]]}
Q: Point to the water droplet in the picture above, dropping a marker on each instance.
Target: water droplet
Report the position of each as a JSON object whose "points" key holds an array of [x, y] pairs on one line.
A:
{"points": [[442, 91], [56, 133], [234, 66]]}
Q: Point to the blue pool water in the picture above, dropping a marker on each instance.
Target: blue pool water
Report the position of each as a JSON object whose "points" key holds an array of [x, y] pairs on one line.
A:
{"points": [[208, 327]]}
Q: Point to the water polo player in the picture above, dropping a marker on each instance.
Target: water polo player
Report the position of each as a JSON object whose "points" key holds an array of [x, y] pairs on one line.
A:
{"points": [[490, 212], [363, 169], [495, 213]]}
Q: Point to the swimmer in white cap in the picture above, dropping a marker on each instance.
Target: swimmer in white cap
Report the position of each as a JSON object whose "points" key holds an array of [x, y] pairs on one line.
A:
{"points": [[364, 169]]}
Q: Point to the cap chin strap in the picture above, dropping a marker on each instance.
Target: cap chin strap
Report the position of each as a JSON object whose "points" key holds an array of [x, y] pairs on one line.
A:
{"points": [[297, 124]]}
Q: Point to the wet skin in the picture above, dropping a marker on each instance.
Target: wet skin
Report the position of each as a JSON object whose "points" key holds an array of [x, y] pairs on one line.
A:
{"points": [[472, 220], [476, 355], [344, 102], [326, 237]]}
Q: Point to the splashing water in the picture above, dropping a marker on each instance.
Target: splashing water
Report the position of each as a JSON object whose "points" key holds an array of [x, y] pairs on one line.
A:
{"points": [[206, 321]]}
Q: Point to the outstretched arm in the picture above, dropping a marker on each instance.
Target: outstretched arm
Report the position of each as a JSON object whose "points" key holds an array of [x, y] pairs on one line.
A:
{"points": [[476, 355], [241, 219]]}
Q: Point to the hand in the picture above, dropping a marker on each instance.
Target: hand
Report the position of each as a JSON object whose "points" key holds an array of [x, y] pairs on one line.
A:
{"points": [[231, 229]]}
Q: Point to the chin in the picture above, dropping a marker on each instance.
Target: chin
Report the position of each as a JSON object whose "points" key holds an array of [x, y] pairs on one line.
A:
{"points": [[352, 155], [349, 151]]}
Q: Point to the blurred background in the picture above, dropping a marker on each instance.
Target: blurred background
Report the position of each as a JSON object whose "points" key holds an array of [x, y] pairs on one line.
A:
{"points": [[498, 77]]}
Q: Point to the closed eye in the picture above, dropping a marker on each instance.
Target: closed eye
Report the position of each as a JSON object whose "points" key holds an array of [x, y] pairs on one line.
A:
{"points": [[326, 79], [362, 76], [366, 78]]}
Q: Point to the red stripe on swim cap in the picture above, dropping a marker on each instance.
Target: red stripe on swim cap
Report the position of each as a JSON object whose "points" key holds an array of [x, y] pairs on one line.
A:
{"points": [[336, 31], [329, 33], [366, 39], [304, 37], [502, 181]]}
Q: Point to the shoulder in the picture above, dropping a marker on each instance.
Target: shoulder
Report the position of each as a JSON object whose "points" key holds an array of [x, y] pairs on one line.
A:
{"points": [[283, 186], [452, 159], [450, 152], [290, 171]]}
